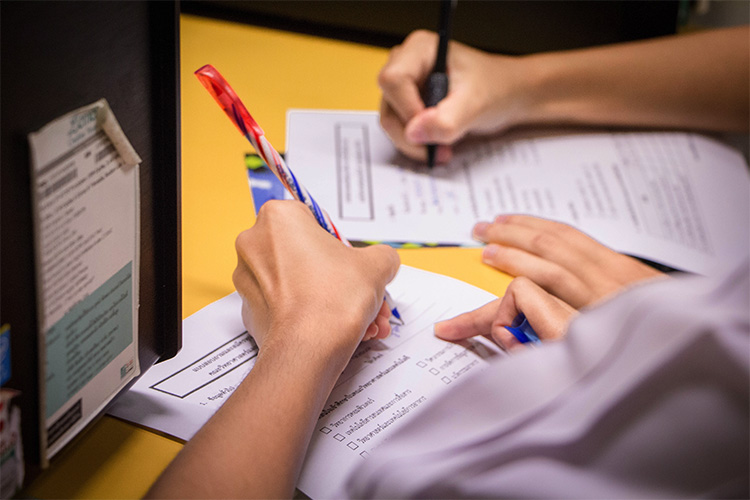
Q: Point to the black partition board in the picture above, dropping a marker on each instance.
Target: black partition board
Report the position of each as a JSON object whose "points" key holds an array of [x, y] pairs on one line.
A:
{"points": [[56, 57], [502, 26]]}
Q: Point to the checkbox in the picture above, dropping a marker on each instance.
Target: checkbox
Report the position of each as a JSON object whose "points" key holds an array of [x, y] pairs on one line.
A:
{"points": [[352, 445], [339, 437], [325, 430], [447, 380], [434, 371], [421, 364], [364, 454]]}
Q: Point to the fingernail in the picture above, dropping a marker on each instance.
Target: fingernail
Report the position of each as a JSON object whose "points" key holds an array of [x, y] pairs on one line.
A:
{"points": [[501, 218], [489, 253], [436, 328], [374, 332], [480, 230]]}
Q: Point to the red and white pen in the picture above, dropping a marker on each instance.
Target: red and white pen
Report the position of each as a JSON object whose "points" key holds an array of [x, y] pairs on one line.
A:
{"points": [[228, 100]]}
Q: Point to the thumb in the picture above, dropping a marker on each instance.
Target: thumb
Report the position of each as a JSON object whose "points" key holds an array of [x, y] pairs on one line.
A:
{"points": [[445, 123], [470, 324]]}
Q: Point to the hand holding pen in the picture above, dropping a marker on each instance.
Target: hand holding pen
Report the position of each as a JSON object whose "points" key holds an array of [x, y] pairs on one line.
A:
{"points": [[508, 320], [228, 100], [486, 95]]}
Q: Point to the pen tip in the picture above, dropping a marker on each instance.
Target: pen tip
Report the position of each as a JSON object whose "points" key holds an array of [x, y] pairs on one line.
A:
{"points": [[431, 155], [396, 317]]}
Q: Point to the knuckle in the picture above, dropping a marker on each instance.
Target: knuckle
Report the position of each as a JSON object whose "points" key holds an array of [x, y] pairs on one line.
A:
{"points": [[419, 36], [266, 210], [243, 241], [543, 243], [549, 278], [237, 277], [385, 77], [390, 77], [513, 218], [273, 211], [564, 231], [270, 207], [522, 283]]}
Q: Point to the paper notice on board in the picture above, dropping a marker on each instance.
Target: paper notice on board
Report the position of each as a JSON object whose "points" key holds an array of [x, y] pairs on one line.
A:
{"points": [[86, 207]]}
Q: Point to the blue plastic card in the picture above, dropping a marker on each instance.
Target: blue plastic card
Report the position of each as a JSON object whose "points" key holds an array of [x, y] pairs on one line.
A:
{"points": [[4, 354]]}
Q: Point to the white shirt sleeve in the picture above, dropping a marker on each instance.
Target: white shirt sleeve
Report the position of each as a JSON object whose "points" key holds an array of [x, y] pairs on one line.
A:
{"points": [[646, 397]]}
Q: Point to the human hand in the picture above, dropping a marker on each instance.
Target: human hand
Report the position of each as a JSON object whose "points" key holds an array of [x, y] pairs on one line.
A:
{"points": [[548, 316], [296, 281], [485, 95], [559, 258]]}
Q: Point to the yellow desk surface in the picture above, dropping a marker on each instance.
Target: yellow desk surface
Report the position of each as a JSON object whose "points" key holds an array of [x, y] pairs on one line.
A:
{"points": [[272, 71]]}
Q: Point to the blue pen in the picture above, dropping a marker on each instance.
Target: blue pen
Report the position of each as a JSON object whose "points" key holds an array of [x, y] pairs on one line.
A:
{"points": [[522, 330], [396, 315]]}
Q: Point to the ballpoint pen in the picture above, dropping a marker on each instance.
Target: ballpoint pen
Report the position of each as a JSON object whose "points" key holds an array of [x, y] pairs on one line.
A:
{"points": [[522, 330], [436, 87], [228, 100]]}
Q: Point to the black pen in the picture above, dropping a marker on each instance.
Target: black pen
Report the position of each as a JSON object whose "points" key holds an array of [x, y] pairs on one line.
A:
{"points": [[437, 83]]}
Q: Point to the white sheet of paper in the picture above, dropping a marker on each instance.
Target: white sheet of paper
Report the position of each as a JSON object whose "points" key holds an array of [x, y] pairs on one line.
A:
{"points": [[179, 395], [676, 198], [383, 386], [85, 187]]}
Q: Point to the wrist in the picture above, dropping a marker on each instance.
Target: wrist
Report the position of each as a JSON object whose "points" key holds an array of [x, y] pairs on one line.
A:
{"points": [[541, 77], [557, 90], [282, 362], [526, 93], [314, 344]]}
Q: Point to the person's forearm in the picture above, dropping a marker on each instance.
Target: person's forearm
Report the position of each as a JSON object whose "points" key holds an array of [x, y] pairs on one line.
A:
{"points": [[696, 81], [254, 446]]}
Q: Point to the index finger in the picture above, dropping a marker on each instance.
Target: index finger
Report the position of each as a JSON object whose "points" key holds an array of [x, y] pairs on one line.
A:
{"points": [[407, 67], [470, 324], [394, 128]]}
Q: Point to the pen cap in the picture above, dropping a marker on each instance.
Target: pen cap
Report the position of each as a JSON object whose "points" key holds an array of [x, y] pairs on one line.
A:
{"points": [[225, 96]]}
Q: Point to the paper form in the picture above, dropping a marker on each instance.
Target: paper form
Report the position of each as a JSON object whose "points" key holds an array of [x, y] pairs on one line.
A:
{"points": [[85, 191], [179, 395], [384, 385], [676, 198]]}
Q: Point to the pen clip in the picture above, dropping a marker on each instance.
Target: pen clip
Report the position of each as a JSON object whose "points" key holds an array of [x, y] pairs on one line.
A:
{"points": [[226, 97]]}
